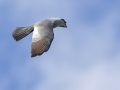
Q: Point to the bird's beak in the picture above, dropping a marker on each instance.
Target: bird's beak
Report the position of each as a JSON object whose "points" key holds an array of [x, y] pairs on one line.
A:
{"points": [[65, 26]]}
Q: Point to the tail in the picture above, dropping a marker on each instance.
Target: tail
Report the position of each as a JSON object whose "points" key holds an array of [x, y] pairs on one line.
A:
{"points": [[21, 32]]}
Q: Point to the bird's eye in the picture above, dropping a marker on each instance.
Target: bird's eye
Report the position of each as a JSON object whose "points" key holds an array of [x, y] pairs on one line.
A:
{"points": [[63, 20]]}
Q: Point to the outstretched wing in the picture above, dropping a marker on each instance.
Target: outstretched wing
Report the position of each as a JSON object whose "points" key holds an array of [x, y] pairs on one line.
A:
{"points": [[21, 32], [41, 39]]}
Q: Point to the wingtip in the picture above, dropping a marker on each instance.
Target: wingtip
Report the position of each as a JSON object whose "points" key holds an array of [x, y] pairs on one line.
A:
{"points": [[33, 56], [16, 39]]}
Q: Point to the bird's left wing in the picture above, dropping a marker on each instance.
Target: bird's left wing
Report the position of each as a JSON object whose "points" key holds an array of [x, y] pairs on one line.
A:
{"points": [[41, 39]]}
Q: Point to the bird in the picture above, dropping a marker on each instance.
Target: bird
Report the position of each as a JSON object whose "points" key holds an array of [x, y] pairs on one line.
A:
{"points": [[43, 34]]}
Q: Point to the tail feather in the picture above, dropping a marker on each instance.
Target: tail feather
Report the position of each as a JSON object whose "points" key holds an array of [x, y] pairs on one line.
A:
{"points": [[21, 32]]}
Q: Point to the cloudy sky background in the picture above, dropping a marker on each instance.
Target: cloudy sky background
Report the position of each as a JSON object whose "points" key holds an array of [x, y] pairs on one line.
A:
{"points": [[84, 56]]}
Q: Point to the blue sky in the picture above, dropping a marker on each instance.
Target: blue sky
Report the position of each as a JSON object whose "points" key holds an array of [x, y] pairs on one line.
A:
{"points": [[84, 56]]}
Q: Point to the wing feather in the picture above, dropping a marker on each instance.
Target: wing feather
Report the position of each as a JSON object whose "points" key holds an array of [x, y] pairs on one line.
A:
{"points": [[41, 40], [21, 32], [40, 46]]}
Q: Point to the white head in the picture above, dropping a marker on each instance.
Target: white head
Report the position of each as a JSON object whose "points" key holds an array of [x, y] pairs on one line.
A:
{"points": [[58, 22]]}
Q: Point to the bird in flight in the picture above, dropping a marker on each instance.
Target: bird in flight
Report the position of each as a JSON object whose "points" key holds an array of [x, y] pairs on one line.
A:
{"points": [[43, 34]]}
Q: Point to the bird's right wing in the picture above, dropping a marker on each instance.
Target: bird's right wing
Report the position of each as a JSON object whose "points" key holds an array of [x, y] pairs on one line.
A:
{"points": [[21, 32]]}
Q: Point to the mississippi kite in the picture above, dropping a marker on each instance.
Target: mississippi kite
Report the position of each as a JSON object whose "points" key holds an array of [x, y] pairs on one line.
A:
{"points": [[42, 34]]}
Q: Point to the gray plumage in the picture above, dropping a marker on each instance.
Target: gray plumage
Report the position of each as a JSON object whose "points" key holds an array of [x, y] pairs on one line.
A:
{"points": [[21, 32], [43, 34]]}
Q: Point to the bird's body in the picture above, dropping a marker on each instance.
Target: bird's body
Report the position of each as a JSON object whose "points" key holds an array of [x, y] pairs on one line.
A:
{"points": [[42, 34]]}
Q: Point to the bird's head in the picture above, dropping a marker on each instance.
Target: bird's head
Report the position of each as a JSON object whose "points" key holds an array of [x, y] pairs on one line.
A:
{"points": [[58, 22]]}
